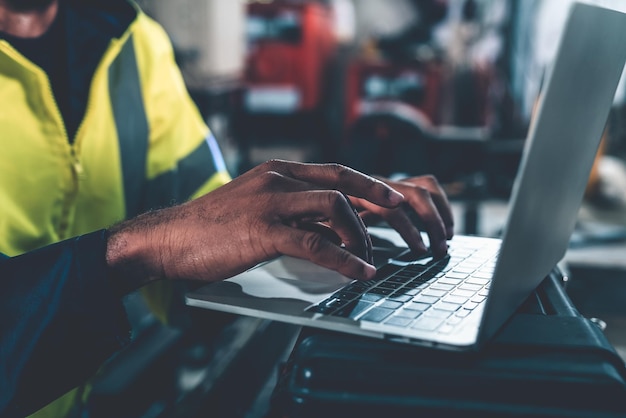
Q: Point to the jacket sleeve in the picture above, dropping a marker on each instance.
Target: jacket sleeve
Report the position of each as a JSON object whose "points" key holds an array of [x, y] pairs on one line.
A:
{"points": [[59, 321], [184, 160]]}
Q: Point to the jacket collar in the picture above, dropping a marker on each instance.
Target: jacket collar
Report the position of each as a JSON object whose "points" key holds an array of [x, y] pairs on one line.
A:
{"points": [[109, 18]]}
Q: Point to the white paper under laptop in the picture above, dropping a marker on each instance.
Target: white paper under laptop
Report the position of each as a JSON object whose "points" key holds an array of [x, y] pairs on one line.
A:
{"points": [[431, 310]]}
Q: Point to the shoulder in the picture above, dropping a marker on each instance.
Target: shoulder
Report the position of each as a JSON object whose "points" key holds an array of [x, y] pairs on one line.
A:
{"points": [[150, 37]]}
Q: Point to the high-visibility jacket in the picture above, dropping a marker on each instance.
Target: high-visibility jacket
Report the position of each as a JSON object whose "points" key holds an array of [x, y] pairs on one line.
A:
{"points": [[142, 143]]}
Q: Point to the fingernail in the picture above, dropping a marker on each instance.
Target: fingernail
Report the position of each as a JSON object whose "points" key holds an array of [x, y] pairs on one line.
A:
{"points": [[443, 247], [395, 197]]}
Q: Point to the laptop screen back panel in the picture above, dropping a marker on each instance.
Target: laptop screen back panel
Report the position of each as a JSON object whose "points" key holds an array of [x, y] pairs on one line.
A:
{"points": [[562, 143]]}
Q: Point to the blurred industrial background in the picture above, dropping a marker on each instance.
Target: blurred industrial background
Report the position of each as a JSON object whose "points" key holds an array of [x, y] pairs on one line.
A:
{"points": [[390, 87]]}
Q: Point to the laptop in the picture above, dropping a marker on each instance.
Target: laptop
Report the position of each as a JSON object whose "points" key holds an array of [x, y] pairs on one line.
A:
{"points": [[462, 300]]}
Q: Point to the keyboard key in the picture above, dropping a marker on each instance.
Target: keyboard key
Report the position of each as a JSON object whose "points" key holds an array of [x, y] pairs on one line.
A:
{"points": [[477, 280], [483, 274], [408, 313], [448, 280], [397, 279], [470, 305], [405, 275], [357, 287], [376, 314], [408, 292], [459, 300], [441, 286], [389, 285], [328, 305], [386, 271], [472, 287], [465, 270], [399, 321], [390, 304], [454, 275], [434, 292], [426, 299], [353, 309], [427, 323], [415, 284], [463, 293], [414, 269], [371, 297], [381, 291], [400, 297], [346, 295], [474, 266], [418, 306], [462, 313], [444, 306]]}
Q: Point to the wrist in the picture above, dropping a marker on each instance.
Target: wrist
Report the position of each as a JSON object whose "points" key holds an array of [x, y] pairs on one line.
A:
{"points": [[127, 260]]}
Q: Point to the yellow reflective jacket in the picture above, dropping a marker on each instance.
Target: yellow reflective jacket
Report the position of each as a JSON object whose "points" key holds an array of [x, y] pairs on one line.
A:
{"points": [[141, 144]]}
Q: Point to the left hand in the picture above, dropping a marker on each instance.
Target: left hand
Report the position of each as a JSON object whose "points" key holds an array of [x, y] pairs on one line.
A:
{"points": [[425, 196]]}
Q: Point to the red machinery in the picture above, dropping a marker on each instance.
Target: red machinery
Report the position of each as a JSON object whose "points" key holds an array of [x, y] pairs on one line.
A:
{"points": [[289, 45]]}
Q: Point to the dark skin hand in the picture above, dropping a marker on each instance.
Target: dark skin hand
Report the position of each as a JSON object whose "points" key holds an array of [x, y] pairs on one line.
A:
{"points": [[279, 207], [426, 198]]}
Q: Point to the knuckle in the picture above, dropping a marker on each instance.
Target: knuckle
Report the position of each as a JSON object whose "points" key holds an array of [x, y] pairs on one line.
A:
{"points": [[273, 164], [270, 178], [344, 258], [430, 179], [312, 242], [336, 199], [421, 192], [338, 171]]}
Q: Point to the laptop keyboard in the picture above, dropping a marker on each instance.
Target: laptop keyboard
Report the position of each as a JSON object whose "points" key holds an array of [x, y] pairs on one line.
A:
{"points": [[426, 294]]}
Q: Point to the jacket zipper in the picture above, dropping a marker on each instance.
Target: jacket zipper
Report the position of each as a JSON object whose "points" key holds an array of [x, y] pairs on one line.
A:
{"points": [[69, 196], [75, 165]]}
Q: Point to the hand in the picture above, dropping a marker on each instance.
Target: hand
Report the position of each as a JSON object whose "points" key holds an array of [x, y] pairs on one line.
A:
{"points": [[276, 208], [426, 198]]}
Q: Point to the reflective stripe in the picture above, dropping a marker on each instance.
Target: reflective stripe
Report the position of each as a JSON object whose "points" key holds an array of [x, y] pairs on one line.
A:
{"points": [[131, 124], [179, 184], [216, 154]]}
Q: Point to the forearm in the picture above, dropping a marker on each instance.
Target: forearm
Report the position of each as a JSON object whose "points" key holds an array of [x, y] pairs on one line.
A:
{"points": [[60, 321]]}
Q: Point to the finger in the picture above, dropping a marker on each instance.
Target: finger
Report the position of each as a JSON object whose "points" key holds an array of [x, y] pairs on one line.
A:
{"points": [[316, 248], [368, 242], [333, 206], [339, 177], [400, 221], [433, 224], [369, 217], [428, 213], [437, 194], [319, 228]]}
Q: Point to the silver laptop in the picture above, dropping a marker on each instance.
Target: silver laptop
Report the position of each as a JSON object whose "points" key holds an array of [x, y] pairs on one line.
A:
{"points": [[461, 301]]}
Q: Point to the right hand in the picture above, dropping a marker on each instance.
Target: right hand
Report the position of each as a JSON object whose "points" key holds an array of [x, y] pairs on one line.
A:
{"points": [[276, 208]]}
